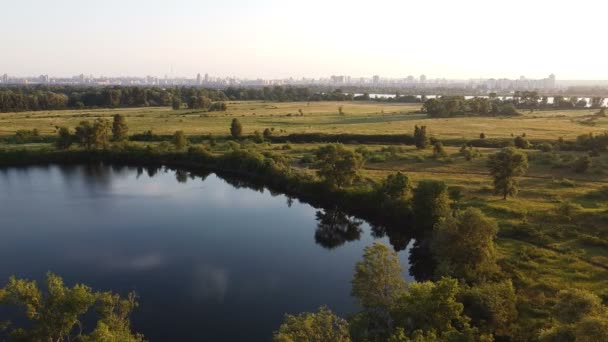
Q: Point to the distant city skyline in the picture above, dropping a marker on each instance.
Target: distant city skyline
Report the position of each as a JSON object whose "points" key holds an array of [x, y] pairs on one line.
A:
{"points": [[272, 39]]}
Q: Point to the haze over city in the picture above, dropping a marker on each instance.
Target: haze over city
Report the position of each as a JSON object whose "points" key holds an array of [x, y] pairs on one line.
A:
{"points": [[277, 39]]}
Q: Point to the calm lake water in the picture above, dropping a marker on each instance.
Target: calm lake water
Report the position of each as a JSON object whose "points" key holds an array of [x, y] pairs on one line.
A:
{"points": [[209, 261]]}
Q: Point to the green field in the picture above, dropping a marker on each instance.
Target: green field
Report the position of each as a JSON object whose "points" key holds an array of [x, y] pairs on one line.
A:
{"points": [[550, 254], [319, 117]]}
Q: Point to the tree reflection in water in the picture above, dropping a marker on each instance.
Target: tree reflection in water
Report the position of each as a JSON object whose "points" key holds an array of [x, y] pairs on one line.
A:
{"points": [[334, 228]]}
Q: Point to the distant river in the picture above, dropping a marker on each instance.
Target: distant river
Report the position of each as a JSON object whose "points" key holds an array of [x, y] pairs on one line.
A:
{"points": [[549, 99], [209, 261]]}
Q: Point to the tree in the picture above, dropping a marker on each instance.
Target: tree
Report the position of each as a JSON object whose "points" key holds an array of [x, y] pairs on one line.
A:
{"points": [[521, 142], [430, 203], [64, 138], [236, 129], [421, 139], [463, 247], [179, 140], [438, 150], [395, 187], [267, 133], [120, 129], [176, 103], [96, 135], [319, 326], [338, 166], [376, 284], [579, 316], [218, 107], [101, 133], [432, 307], [504, 166], [491, 306], [56, 315], [582, 164]]}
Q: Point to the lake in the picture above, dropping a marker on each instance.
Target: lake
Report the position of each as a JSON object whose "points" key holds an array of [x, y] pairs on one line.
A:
{"points": [[209, 260]]}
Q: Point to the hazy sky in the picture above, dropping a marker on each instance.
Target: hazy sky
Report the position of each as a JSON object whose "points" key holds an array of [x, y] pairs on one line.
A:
{"points": [[313, 38]]}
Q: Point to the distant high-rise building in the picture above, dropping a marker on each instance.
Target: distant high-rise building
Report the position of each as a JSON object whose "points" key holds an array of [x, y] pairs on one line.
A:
{"points": [[44, 79], [422, 78], [5, 78], [552, 81], [206, 78], [199, 79], [376, 79]]}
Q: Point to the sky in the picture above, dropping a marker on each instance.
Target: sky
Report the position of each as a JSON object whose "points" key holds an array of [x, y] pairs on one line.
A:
{"points": [[314, 38]]}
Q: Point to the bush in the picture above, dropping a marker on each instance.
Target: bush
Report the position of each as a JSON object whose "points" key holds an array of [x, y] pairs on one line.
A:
{"points": [[545, 147], [521, 142], [582, 164]]}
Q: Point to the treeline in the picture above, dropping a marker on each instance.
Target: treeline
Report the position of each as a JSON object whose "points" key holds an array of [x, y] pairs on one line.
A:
{"points": [[25, 98], [447, 106]]}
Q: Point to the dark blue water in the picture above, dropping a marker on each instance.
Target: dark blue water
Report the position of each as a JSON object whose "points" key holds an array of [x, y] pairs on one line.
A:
{"points": [[209, 261]]}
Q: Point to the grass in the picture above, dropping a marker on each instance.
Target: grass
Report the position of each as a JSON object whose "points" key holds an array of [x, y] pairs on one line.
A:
{"points": [[550, 254], [319, 117]]}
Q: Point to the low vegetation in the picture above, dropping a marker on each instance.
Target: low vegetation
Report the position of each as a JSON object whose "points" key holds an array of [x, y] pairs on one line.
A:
{"points": [[508, 224]]}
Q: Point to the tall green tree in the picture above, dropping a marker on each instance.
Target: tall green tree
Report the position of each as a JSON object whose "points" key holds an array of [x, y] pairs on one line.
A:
{"points": [[432, 308], [505, 166], [321, 326], [491, 306], [120, 129], [179, 140], [64, 138], [176, 102], [421, 138], [236, 129], [430, 203], [464, 248], [57, 314], [395, 187], [377, 283], [338, 166], [96, 135]]}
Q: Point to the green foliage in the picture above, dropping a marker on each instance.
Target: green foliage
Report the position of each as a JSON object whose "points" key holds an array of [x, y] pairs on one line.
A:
{"points": [[579, 316], [504, 166], [395, 187], [376, 284], [64, 138], [463, 247], [438, 150], [321, 326], [469, 153], [567, 210], [199, 102], [582, 164], [267, 133], [338, 166], [96, 135], [430, 203], [218, 107], [546, 147], [421, 139], [236, 129], [431, 309], [521, 142], [176, 103], [179, 140], [258, 138], [56, 315], [491, 306], [120, 130]]}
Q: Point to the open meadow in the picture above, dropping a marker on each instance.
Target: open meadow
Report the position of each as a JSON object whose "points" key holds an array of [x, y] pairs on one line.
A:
{"points": [[539, 244], [318, 117]]}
